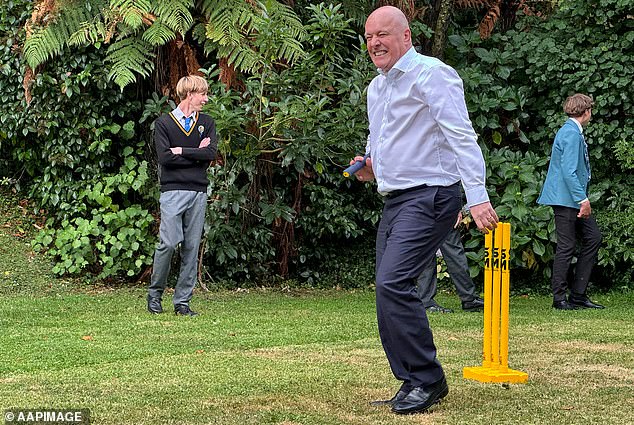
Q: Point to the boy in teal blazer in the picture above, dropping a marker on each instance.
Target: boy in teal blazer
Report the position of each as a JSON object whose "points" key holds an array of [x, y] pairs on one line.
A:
{"points": [[565, 189]]}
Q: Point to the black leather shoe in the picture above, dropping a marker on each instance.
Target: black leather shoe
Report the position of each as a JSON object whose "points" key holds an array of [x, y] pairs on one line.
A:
{"points": [[476, 304], [400, 395], [154, 305], [436, 308], [583, 301], [184, 310], [564, 305], [421, 398]]}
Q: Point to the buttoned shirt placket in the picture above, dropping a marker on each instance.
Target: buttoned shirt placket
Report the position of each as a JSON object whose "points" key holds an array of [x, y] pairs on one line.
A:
{"points": [[390, 82]]}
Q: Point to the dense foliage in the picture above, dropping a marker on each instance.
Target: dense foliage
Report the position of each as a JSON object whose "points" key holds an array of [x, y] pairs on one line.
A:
{"points": [[76, 147], [279, 205], [528, 72], [280, 202]]}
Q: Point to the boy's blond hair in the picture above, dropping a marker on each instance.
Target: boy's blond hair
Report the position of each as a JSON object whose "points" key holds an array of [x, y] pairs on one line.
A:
{"points": [[577, 104], [191, 84]]}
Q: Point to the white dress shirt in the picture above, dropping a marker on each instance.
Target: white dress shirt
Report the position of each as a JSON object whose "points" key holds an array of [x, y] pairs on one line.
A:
{"points": [[180, 116], [420, 132]]}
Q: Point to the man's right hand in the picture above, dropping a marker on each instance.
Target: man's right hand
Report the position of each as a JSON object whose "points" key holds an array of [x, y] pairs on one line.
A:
{"points": [[204, 143], [365, 174]]}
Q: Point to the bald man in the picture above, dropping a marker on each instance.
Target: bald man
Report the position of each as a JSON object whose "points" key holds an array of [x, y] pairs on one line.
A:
{"points": [[421, 146]]}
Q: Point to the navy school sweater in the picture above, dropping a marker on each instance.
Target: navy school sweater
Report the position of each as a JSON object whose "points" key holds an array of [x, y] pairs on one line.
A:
{"points": [[189, 170]]}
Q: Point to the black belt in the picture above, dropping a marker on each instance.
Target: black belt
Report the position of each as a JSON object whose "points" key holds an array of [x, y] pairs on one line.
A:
{"points": [[399, 192]]}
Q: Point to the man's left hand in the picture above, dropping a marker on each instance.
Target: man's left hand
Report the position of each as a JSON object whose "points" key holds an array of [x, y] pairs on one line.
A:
{"points": [[484, 216]]}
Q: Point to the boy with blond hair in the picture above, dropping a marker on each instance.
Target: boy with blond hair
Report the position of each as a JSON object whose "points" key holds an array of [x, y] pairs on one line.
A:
{"points": [[185, 142]]}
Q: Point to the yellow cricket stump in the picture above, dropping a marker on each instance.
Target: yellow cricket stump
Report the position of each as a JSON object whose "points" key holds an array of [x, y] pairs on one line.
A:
{"points": [[495, 353]]}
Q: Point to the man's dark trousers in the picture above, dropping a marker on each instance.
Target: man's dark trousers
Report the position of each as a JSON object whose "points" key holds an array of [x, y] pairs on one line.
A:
{"points": [[414, 224], [567, 224]]}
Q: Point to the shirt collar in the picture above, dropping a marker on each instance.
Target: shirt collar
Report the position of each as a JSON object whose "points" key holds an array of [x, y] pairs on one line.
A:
{"points": [[180, 116], [578, 124], [401, 65]]}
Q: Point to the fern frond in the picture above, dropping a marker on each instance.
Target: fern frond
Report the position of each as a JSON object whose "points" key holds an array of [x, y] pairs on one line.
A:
{"points": [[224, 33], [48, 42], [252, 34], [229, 25], [233, 46], [288, 31], [229, 19], [88, 33], [129, 56], [291, 50], [208, 7], [242, 58], [175, 14], [158, 33], [357, 10], [42, 46], [132, 11]]}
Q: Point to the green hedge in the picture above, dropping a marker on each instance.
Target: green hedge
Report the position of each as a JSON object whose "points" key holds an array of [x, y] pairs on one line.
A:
{"points": [[76, 147], [279, 205]]}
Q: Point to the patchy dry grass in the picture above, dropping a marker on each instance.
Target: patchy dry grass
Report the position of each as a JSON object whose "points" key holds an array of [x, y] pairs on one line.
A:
{"points": [[268, 357], [288, 358]]}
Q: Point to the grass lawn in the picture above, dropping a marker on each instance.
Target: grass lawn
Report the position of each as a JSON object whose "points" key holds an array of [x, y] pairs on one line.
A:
{"points": [[272, 357], [287, 358]]}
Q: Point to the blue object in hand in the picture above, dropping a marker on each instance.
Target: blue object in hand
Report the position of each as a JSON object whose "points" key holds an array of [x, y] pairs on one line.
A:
{"points": [[356, 166]]}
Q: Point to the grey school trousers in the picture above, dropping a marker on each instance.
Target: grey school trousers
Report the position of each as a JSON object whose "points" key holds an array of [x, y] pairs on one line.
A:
{"points": [[457, 266], [182, 221]]}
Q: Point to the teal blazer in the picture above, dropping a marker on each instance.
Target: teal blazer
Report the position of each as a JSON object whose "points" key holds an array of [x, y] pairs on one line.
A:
{"points": [[569, 170]]}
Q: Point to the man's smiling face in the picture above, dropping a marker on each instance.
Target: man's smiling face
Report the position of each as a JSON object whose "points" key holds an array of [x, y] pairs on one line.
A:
{"points": [[387, 38]]}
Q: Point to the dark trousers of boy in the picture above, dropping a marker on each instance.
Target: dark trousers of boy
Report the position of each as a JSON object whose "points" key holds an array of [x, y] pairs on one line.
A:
{"points": [[567, 226]]}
